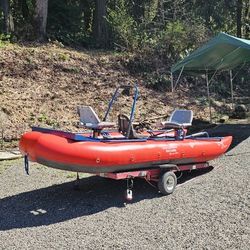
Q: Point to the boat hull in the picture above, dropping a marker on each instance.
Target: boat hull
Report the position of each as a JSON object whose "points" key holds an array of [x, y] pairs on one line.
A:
{"points": [[114, 156]]}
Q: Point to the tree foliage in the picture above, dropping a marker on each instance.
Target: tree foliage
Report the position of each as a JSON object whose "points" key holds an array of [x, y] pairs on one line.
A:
{"points": [[129, 24], [158, 32]]}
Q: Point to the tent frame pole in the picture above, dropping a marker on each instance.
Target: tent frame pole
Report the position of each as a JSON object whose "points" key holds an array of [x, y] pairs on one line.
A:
{"points": [[178, 79], [208, 93], [231, 82], [231, 87], [209, 99]]}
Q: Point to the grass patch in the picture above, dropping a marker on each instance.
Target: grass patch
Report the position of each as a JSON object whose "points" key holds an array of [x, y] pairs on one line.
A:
{"points": [[63, 57]]}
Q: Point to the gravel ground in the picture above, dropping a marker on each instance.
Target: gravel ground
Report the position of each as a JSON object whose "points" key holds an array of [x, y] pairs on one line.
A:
{"points": [[210, 211]]}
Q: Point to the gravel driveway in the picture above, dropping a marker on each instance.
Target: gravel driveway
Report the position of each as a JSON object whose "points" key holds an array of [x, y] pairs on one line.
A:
{"points": [[210, 211]]}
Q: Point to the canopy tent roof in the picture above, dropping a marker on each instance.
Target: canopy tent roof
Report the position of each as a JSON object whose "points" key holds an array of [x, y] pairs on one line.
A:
{"points": [[223, 52]]}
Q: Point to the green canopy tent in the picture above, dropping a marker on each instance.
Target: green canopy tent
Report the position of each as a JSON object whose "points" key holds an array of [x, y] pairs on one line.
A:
{"points": [[223, 52]]}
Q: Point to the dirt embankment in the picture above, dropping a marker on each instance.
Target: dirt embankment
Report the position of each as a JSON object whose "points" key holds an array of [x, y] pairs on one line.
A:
{"points": [[43, 85]]}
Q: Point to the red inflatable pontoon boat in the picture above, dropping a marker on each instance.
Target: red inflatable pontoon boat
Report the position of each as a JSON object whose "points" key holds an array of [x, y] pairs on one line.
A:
{"points": [[99, 156], [110, 153]]}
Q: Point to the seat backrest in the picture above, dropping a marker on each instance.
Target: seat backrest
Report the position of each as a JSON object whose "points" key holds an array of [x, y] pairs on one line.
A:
{"points": [[87, 115], [184, 117], [123, 123]]}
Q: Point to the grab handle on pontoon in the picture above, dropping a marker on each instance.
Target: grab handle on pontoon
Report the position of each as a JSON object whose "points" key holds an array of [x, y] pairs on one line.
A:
{"points": [[197, 134]]}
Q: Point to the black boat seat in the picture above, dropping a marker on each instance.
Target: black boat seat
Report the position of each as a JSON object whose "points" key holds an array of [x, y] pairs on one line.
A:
{"points": [[123, 124], [89, 119]]}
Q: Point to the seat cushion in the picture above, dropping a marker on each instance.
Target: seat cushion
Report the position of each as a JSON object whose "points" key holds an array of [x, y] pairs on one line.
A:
{"points": [[100, 125], [172, 125]]}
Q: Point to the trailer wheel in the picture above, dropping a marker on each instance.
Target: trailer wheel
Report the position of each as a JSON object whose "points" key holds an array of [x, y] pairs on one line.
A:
{"points": [[167, 183]]}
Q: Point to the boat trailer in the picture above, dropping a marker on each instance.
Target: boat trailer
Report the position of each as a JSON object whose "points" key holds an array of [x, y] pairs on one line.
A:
{"points": [[164, 176]]}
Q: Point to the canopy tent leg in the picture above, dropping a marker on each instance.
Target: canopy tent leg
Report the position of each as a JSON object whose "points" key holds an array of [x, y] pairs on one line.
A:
{"points": [[172, 79], [231, 87], [209, 99]]}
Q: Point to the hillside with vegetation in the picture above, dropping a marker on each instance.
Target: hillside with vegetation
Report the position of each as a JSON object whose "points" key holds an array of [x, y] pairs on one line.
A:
{"points": [[56, 55]]}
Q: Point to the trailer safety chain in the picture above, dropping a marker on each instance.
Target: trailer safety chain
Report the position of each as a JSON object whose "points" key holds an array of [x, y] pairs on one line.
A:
{"points": [[178, 170], [26, 164], [154, 186], [130, 183]]}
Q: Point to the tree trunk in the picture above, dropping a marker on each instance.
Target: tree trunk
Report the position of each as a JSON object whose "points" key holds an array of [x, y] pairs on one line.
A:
{"points": [[239, 18], [86, 7], [100, 23], [160, 15], [22, 4], [41, 13], [138, 10], [246, 21], [7, 17]]}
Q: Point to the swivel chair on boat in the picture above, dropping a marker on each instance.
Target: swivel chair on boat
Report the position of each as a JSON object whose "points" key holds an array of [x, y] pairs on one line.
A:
{"points": [[89, 119], [179, 121]]}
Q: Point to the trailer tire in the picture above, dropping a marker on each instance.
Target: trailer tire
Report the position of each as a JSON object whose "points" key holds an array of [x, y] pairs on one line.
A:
{"points": [[167, 183]]}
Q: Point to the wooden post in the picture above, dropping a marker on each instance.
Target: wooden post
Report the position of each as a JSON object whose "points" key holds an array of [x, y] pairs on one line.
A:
{"points": [[231, 87], [172, 83], [209, 99]]}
